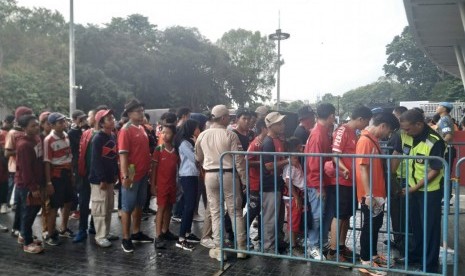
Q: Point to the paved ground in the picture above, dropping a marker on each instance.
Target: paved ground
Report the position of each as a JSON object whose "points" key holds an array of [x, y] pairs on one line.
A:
{"points": [[88, 259]]}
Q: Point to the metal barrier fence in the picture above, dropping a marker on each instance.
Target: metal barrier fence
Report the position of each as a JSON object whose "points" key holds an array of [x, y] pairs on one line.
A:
{"points": [[278, 226]]}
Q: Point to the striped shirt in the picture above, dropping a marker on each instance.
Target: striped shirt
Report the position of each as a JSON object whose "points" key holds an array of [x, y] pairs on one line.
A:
{"points": [[57, 149]]}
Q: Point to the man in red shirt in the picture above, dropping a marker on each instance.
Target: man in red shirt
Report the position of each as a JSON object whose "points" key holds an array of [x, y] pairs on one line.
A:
{"points": [[134, 152], [344, 142], [319, 141], [28, 179]]}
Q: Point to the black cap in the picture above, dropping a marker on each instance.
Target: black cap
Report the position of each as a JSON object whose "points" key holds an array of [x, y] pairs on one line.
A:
{"points": [[78, 114]]}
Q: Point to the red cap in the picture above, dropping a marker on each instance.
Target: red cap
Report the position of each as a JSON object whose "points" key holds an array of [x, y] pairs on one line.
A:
{"points": [[21, 111], [101, 114], [44, 116]]}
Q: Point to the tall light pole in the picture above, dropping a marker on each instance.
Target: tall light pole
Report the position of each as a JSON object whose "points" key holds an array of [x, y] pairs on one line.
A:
{"points": [[278, 35], [72, 77]]}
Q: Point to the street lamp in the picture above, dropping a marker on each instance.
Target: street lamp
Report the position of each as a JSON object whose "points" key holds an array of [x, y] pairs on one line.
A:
{"points": [[278, 35], [72, 73]]}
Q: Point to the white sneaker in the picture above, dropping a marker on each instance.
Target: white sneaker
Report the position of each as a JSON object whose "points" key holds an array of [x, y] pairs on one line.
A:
{"points": [[4, 209], [315, 254], [208, 243], [215, 253], [103, 242]]}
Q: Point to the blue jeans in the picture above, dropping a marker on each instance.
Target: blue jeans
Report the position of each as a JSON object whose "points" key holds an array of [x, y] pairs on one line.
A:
{"points": [[313, 233], [190, 186], [11, 185], [28, 214], [135, 196]]}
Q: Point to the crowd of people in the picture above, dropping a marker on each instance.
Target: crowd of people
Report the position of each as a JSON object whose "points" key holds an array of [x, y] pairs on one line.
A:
{"points": [[53, 164]]}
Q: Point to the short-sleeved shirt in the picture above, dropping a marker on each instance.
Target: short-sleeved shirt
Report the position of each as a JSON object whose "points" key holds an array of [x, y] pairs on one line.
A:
{"points": [[245, 139], [445, 126], [133, 141], [295, 174], [438, 148], [368, 145], [57, 150], [271, 145], [319, 141], [254, 172], [344, 142], [167, 165], [301, 133], [10, 144]]}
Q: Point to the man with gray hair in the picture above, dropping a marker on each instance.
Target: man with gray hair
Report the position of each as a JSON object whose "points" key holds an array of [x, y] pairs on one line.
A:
{"points": [[208, 149]]}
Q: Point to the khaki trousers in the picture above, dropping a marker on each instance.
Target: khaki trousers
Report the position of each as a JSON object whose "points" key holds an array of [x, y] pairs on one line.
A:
{"points": [[212, 184], [102, 207]]}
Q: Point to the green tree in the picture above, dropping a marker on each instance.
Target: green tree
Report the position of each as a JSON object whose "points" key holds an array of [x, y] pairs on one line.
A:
{"points": [[407, 64], [255, 58]]}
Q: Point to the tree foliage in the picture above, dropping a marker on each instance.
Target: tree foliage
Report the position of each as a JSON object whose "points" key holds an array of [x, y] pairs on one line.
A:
{"points": [[127, 57]]}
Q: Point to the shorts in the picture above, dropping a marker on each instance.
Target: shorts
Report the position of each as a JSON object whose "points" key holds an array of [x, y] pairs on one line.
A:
{"points": [[166, 194], [135, 196], [64, 192], [346, 200]]}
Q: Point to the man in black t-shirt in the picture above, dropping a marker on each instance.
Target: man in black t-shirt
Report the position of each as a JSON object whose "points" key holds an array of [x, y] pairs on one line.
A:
{"points": [[242, 129], [306, 123]]}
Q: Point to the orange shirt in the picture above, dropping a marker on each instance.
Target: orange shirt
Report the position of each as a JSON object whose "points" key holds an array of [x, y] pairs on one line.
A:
{"points": [[365, 145]]}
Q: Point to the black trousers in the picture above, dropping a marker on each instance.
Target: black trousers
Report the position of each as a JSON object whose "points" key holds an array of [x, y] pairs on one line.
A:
{"points": [[432, 233], [365, 238]]}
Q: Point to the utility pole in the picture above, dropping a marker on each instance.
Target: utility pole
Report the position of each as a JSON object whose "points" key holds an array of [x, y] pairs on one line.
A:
{"points": [[72, 73], [278, 35]]}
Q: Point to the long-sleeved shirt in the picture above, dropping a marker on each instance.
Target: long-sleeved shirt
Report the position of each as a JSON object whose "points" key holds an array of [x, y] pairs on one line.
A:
{"points": [[212, 143], [104, 159], [186, 154], [29, 165]]}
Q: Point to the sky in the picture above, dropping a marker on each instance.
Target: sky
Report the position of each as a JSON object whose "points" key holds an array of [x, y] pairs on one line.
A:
{"points": [[334, 45]]}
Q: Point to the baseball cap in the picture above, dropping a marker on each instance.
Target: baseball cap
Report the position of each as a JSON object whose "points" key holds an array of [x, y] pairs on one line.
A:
{"points": [[21, 111], [305, 111], [43, 116], [78, 114], [55, 117], [261, 110], [447, 105], [219, 111], [102, 113], [273, 118]]}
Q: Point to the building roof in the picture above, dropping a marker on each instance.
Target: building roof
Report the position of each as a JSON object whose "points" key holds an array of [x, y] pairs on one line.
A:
{"points": [[437, 28]]}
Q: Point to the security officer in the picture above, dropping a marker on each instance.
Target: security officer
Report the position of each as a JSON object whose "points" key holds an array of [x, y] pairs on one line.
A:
{"points": [[417, 140]]}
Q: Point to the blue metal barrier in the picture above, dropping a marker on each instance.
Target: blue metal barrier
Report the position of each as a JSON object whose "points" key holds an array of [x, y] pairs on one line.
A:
{"points": [[274, 252]]}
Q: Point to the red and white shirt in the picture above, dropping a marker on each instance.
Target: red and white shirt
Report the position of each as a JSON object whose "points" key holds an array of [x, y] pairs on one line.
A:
{"points": [[344, 142], [57, 149]]}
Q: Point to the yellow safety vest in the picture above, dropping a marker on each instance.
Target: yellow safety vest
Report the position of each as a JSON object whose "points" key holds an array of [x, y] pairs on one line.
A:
{"points": [[416, 166]]}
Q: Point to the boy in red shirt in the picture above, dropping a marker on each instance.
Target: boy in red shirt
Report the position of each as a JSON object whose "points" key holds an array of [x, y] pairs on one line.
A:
{"points": [[344, 142], [163, 184]]}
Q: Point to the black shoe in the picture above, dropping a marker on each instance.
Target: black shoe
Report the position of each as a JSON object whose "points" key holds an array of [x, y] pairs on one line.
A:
{"points": [[192, 238], [411, 260], [141, 238], [127, 246], [149, 211], [92, 231], [170, 236], [160, 243], [185, 245]]}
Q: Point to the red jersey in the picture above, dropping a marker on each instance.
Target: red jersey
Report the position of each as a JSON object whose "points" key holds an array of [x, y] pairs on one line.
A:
{"points": [[133, 140], [254, 172], [319, 141], [57, 150], [344, 142], [167, 166]]}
